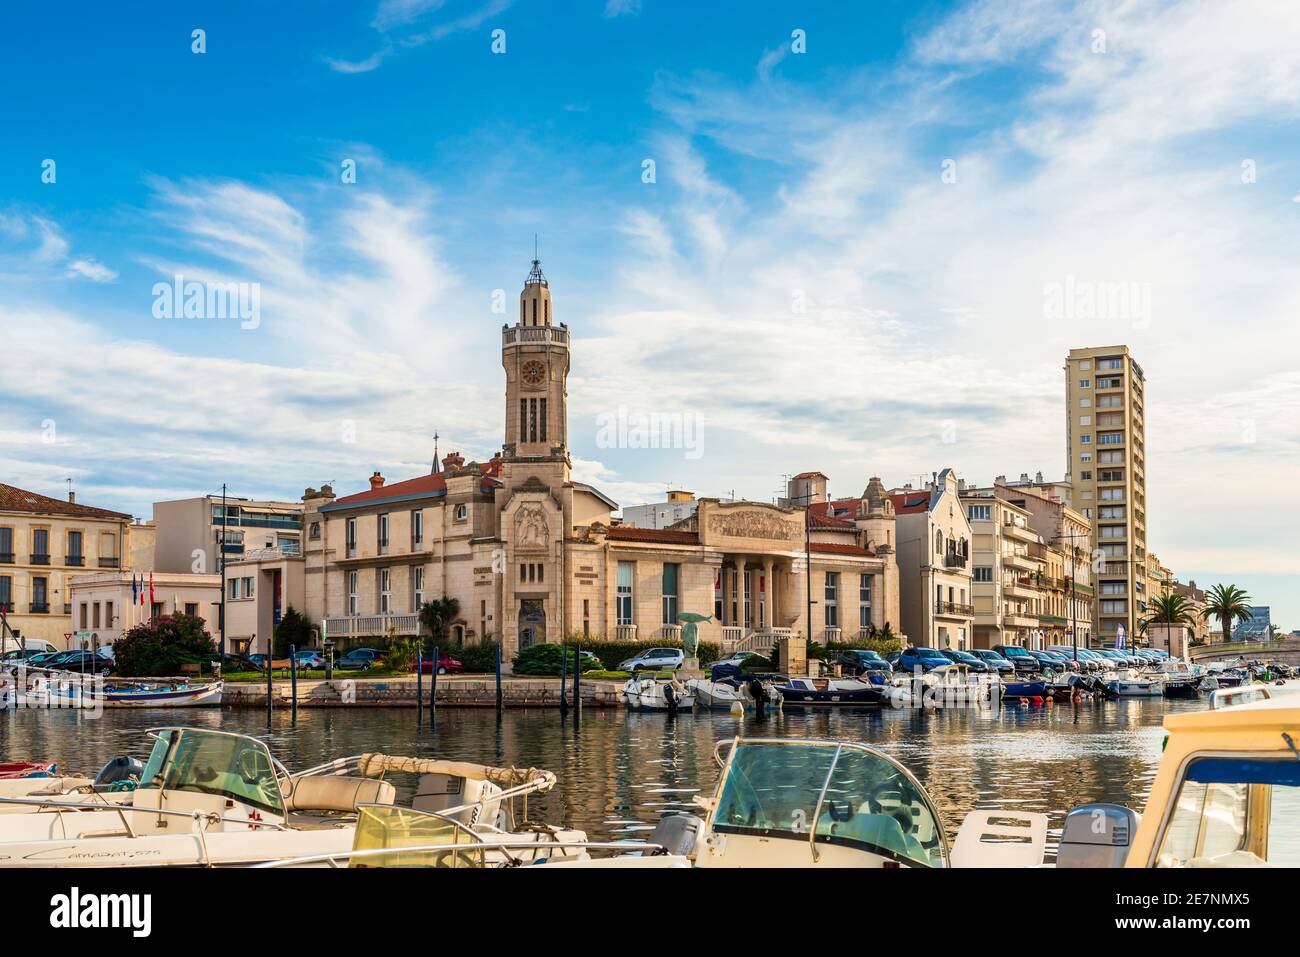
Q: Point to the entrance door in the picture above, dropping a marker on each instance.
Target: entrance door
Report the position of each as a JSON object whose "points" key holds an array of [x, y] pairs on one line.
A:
{"points": [[532, 622]]}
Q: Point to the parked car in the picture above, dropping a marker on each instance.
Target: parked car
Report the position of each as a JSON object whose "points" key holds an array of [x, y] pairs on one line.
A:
{"points": [[83, 661], [359, 659], [1024, 662], [43, 659], [927, 659], [1049, 661], [736, 658], [309, 659], [655, 659], [856, 661], [973, 662], [994, 660], [447, 665]]}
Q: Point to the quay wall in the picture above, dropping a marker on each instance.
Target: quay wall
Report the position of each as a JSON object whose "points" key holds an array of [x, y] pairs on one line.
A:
{"points": [[401, 693]]}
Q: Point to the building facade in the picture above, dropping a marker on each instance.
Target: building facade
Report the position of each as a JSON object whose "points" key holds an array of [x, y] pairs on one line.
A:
{"points": [[1201, 630], [1008, 574], [104, 607], [531, 556], [187, 531], [1106, 449], [934, 563], [44, 542], [1258, 627], [680, 506]]}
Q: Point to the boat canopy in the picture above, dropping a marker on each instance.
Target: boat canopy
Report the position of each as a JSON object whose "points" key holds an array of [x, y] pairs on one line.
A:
{"points": [[213, 762], [374, 764]]}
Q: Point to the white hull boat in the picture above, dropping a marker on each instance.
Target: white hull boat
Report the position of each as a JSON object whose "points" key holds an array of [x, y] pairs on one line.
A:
{"points": [[82, 694], [723, 695], [1130, 684], [653, 694]]}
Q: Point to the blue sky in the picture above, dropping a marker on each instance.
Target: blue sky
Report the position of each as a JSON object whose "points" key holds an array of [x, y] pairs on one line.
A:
{"points": [[801, 278]]}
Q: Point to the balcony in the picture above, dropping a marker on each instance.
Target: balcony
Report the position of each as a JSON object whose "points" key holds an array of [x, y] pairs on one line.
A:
{"points": [[1019, 589], [1021, 562], [829, 635], [624, 633], [271, 554], [372, 626], [110, 562], [953, 609], [40, 560], [40, 608], [540, 335], [74, 561], [1020, 620], [1013, 530], [954, 560], [669, 633]]}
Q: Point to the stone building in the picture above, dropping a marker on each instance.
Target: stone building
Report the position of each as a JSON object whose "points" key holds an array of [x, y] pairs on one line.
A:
{"points": [[531, 555]]}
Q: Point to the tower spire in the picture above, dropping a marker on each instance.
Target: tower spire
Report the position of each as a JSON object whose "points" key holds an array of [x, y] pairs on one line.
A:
{"points": [[434, 470]]}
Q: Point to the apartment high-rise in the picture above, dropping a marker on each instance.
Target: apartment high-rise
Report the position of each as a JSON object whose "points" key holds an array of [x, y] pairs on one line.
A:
{"points": [[1106, 443]]}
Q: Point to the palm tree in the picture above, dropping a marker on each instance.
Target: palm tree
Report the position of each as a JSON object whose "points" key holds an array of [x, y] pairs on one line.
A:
{"points": [[1226, 602], [1170, 608], [436, 617]]}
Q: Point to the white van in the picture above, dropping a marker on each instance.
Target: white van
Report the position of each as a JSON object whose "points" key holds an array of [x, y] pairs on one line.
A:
{"points": [[30, 646]]}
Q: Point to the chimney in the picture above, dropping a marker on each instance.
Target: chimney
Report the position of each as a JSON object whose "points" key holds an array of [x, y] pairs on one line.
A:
{"points": [[452, 462], [72, 497], [376, 481], [1000, 480], [1038, 477]]}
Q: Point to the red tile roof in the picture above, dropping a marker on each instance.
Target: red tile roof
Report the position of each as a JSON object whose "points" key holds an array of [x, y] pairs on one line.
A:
{"points": [[629, 533], [836, 548], [14, 499], [822, 517], [424, 485], [906, 503], [808, 475]]}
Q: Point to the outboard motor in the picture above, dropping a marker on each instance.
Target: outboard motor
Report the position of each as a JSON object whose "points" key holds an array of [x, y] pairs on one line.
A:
{"points": [[676, 833], [670, 696], [1097, 835], [121, 768], [758, 693]]}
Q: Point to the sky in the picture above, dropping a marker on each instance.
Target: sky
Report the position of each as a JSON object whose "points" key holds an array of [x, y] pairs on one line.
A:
{"points": [[828, 236]]}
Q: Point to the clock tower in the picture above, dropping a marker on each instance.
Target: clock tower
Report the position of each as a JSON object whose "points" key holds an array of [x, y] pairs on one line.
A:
{"points": [[535, 354]]}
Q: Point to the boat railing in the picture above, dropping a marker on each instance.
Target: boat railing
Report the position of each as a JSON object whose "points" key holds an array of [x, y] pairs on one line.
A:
{"points": [[210, 817], [478, 846]]}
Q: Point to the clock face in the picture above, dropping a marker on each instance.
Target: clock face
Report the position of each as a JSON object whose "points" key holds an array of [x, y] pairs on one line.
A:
{"points": [[533, 373]]}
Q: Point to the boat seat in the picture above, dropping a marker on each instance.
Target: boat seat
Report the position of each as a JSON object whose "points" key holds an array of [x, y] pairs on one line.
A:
{"points": [[1000, 838], [337, 792]]}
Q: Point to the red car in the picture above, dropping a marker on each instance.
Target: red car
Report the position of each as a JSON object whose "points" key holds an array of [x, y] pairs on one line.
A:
{"points": [[447, 665]]}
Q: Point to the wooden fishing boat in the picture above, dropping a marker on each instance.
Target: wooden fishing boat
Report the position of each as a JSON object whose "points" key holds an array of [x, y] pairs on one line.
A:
{"points": [[27, 769], [84, 694]]}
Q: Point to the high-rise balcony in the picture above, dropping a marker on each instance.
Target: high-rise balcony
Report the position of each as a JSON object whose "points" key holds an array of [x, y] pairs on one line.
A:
{"points": [[534, 335]]}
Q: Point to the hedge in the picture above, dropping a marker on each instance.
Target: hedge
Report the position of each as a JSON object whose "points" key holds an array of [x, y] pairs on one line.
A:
{"points": [[614, 653]]}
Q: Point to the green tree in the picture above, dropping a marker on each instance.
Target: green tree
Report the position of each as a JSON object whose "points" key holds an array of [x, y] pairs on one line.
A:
{"points": [[436, 617], [158, 648], [294, 629], [1226, 602], [1170, 608]]}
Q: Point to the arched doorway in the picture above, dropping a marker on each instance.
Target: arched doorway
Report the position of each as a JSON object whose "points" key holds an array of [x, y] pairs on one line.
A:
{"points": [[532, 622]]}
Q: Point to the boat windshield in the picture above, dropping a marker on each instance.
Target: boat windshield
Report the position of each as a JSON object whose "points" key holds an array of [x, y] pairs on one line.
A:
{"points": [[1235, 809], [773, 789], [208, 762]]}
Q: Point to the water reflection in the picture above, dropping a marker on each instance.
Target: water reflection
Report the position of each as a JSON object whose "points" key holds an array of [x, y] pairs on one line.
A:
{"points": [[620, 771]]}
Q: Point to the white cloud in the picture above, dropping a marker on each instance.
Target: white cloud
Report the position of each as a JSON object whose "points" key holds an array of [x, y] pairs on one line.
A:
{"points": [[622, 8], [91, 269]]}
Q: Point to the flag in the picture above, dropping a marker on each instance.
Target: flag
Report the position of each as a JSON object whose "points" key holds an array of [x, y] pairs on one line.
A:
{"points": [[152, 599], [1119, 638], [135, 592]]}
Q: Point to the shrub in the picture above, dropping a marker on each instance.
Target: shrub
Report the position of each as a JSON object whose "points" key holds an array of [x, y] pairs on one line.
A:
{"points": [[160, 647], [546, 660], [294, 629], [478, 659], [400, 654]]}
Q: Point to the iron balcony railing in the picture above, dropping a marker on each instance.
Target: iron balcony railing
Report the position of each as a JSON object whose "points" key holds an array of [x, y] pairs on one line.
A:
{"points": [[953, 608]]}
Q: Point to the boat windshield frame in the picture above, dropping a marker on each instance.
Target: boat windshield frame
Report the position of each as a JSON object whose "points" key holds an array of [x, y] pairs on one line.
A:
{"points": [[161, 777], [814, 837]]}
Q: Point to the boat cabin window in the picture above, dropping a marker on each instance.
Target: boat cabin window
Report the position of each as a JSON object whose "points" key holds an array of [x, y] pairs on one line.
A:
{"points": [[772, 790], [223, 764], [1248, 808]]}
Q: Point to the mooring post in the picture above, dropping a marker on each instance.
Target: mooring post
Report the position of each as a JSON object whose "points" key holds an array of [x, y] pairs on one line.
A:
{"points": [[564, 673], [419, 687], [498, 677], [293, 684], [270, 666], [433, 687], [577, 681]]}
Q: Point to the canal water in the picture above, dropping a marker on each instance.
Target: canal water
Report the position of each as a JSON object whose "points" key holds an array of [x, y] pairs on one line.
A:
{"points": [[619, 771]]}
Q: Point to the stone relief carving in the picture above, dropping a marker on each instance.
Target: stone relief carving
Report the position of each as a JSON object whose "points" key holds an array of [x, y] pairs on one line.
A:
{"points": [[753, 525], [531, 530]]}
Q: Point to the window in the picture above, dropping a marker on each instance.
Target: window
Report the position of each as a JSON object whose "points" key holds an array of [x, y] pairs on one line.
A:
{"points": [[623, 593], [983, 573], [417, 528], [1111, 458], [1112, 511], [671, 573], [1086, 475], [417, 588], [1112, 495], [1112, 531], [108, 614], [1110, 438], [40, 596], [75, 556], [1111, 475], [192, 609], [461, 512], [832, 599], [382, 526], [864, 601], [543, 419], [1085, 365], [385, 582], [6, 593], [1085, 402], [1085, 439], [352, 538], [96, 611], [40, 546], [1114, 607], [1085, 383], [979, 513], [1085, 457], [1108, 364], [315, 530], [1085, 420], [6, 545], [352, 591], [1111, 382]]}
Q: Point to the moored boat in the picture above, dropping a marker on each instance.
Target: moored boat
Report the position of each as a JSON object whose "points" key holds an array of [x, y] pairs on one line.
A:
{"points": [[728, 692], [831, 691], [27, 769], [79, 693], [658, 694]]}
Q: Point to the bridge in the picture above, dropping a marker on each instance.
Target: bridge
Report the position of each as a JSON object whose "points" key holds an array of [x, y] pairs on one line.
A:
{"points": [[1283, 649]]}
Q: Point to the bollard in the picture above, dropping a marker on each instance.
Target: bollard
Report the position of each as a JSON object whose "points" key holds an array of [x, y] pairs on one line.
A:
{"points": [[498, 677], [564, 673], [577, 681], [419, 687], [270, 666], [293, 685]]}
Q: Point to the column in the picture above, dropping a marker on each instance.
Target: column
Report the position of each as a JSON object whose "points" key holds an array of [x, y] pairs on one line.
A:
{"points": [[726, 603], [769, 595], [739, 592]]}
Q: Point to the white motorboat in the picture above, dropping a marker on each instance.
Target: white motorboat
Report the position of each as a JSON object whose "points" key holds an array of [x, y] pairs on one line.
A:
{"points": [[658, 694], [723, 695], [1131, 684], [217, 798]]}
